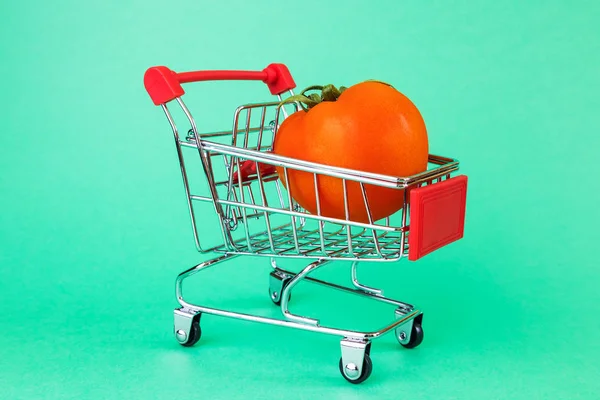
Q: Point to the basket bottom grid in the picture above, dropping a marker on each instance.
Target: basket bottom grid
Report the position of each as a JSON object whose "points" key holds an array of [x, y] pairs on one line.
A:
{"points": [[328, 244]]}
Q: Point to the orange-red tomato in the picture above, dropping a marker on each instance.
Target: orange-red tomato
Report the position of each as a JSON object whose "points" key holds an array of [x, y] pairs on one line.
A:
{"points": [[371, 127]]}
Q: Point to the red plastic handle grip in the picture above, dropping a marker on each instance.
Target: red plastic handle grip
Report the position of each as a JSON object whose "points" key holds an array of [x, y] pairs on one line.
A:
{"points": [[164, 85]]}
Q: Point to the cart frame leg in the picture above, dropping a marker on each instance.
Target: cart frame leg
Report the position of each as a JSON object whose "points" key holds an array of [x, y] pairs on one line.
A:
{"points": [[359, 285], [288, 289], [187, 310], [355, 363]]}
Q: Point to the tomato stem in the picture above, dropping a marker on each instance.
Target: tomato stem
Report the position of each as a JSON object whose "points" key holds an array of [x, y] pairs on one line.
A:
{"points": [[308, 101], [327, 93]]}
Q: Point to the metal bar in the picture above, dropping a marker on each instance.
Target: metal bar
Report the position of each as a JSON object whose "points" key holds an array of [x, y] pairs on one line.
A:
{"points": [[412, 313], [369, 216], [318, 201], [331, 257], [263, 197], [201, 198], [224, 133], [250, 193], [347, 212], [312, 216], [260, 242], [309, 243], [446, 163], [372, 296], [279, 194], [345, 239], [392, 242], [359, 285], [244, 212], [289, 191], [302, 235], [260, 132], [425, 175], [194, 146], [268, 178], [288, 288], [209, 176], [186, 184], [195, 269], [361, 176], [307, 252], [229, 164], [284, 234], [247, 127], [274, 159], [292, 324], [236, 213], [285, 114]]}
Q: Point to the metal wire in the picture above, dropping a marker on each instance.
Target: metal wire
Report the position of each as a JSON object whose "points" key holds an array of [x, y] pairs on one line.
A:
{"points": [[286, 229]]}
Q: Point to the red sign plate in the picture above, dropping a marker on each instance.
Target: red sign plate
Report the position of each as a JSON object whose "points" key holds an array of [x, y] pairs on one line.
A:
{"points": [[437, 216]]}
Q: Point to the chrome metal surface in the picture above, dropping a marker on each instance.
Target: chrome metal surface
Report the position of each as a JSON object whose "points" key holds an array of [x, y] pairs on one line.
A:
{"points": [[444, 166], [359, 285], [186, 184], [188, 310], [181, 335], [288, 288], [404, 330], [353, 355], [183, 318], [277, 280], [408, 308], [292, 324], [238, 204], [194, 270], [352, 371]]}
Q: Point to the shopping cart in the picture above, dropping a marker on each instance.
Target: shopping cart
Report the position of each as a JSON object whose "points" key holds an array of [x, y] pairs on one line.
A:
{"points": [[257, 216]]}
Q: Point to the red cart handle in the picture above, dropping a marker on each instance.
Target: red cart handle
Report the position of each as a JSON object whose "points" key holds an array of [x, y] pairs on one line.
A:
{"points": [[164, 85]]}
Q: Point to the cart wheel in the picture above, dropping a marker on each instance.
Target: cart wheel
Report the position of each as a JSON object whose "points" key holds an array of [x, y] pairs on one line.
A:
{"points": [[277, 300], [275, 293], [416, 334], [195, 332], [365, 373]]}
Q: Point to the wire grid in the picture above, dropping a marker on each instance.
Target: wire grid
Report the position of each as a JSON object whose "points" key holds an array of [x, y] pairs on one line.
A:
{"points": [[260, 217], [270, 222]]}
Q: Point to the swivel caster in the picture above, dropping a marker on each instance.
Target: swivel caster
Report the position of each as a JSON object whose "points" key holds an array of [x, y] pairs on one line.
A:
{"points": [[187, 327], [355, 365], [410, 335], [277, 283]]}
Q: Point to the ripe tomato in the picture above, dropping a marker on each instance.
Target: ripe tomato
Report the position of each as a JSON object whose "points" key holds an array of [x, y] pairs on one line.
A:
{"points": [[370, 127]]}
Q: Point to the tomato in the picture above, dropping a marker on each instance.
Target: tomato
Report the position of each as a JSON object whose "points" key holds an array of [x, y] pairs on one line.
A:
{"points": [[369, 127]]}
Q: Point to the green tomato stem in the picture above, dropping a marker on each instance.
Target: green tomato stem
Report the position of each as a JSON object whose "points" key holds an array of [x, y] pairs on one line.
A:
{"points": [[327, 93]]}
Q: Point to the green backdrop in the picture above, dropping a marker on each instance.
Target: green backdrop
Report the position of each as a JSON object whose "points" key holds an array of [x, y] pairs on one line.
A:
{"points": [[93, 224]]}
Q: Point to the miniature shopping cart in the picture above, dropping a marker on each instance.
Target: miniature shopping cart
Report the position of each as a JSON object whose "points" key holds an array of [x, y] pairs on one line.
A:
{"points": [[256, 216]]}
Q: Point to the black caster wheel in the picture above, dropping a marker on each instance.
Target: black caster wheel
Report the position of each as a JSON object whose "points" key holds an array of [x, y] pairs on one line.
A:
{"points": [[416, 334], [195, 332], [367, 368]]}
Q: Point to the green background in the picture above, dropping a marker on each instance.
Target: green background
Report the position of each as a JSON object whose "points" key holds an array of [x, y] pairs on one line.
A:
{"points": [[93, 224]]}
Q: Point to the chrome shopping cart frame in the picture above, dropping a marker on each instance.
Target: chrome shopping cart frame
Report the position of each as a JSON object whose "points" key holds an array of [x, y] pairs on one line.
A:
{"points": [[258, 216]]}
